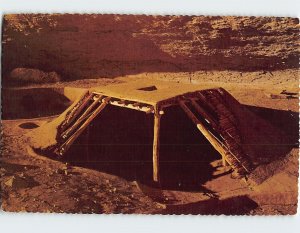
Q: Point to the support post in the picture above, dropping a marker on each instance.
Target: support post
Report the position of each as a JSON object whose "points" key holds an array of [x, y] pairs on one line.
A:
{"points": [[224, 162], [156, 171]]}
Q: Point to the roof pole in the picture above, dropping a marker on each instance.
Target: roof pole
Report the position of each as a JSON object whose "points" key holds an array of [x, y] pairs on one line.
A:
{"points": [[207, 134]]}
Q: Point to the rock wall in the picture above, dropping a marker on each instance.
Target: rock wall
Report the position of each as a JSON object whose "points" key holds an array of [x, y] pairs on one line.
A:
{"points": [[91, 46]]}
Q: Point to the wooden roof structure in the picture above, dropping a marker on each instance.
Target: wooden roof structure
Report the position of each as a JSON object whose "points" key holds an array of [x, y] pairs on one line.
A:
{"points": [[145, 91], [208, 109]]}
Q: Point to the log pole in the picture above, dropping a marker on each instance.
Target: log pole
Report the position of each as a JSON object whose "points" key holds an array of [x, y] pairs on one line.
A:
{"points": [[213, 123], [65, 146], [203, 113], [209, 136], [81, 118], [156, 172], [224, 162]]}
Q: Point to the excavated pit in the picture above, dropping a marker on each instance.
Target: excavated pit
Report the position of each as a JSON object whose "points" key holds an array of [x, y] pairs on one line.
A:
{"points": [[123, 146], [32, 102], [120, 141]]}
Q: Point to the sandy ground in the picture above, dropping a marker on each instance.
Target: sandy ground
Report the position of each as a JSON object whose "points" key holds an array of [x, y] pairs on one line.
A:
{"points": [[33, 183]]}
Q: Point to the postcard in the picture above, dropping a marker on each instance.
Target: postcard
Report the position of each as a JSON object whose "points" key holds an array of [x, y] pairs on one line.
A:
{"points": [[136, 114]]}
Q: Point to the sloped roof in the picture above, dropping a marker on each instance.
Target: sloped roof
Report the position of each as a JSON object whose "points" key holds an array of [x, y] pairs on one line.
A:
{"points": [[147, 91]]}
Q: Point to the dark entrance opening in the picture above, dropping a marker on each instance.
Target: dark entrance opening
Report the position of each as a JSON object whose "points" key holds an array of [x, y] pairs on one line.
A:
{"points": [[185, 154], [119, 141]]}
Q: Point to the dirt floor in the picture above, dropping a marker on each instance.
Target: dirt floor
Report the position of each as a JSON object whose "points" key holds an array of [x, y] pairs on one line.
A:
{"points": [[33, 183]]}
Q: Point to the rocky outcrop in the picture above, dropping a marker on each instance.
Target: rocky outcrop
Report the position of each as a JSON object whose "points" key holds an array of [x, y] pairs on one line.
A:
{"points": [[91, 46], [24, 75]]}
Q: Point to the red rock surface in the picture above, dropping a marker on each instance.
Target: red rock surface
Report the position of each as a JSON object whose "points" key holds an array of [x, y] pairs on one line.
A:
{"points": [[91, 46]]}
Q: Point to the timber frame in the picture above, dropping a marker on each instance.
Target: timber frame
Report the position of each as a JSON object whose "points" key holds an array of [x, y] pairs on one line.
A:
{"points": [[208, 109]]}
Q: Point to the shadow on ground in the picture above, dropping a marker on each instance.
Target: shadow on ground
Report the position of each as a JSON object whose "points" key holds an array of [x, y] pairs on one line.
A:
{"points": [[286, 121], [240, 205]]}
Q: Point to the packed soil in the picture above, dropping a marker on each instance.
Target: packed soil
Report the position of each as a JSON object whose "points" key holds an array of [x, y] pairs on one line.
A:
{"points": [[34, 183]]}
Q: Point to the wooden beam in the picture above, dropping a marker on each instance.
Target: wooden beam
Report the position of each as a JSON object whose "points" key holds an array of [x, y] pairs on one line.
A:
{"points": [[215, 142], [136, 104], [76, 111], [146, 109], [121, 102], [203, 113], [204, 100], [81, 118], [65, 146], [224, 162], [209, 136], [156, 172]]}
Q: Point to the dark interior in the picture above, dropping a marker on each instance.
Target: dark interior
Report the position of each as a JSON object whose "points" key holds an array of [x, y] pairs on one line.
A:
{"points": [[119, 141]]}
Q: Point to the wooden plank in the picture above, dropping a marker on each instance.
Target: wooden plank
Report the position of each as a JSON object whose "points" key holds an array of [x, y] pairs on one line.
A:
{"points": [[156, 175], [65, 146]]}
